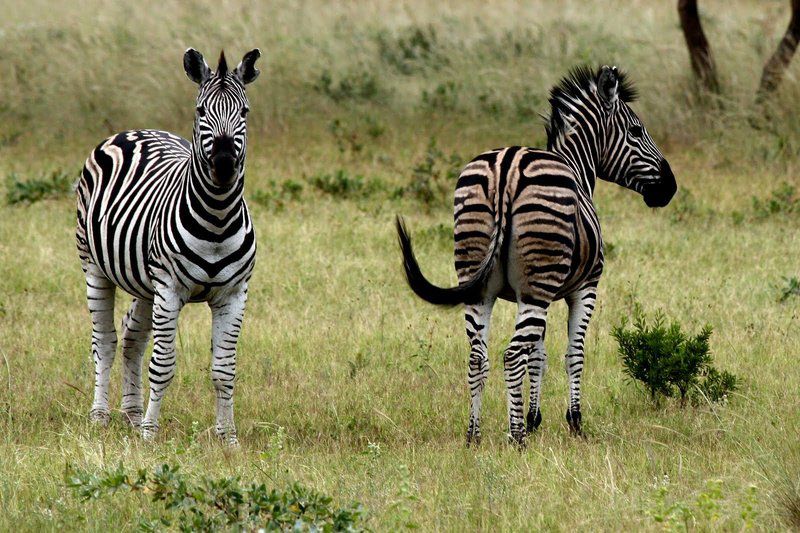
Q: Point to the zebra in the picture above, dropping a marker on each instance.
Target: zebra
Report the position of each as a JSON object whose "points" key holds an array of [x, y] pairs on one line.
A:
{"points": [[526, 230], [165, 220]]}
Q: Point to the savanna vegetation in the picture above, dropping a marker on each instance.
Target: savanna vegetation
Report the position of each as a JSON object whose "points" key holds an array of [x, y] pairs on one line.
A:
{"points": [[351, 399]]}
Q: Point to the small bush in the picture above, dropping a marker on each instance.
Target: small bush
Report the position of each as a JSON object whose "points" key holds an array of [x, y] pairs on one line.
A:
{"points": [[342, 185], [276, 195], [411, 51], [444, 97], [783, 200], [54, 185], [433, 177], [361, 85], [211, 504], [790, 289], [666, 359]]}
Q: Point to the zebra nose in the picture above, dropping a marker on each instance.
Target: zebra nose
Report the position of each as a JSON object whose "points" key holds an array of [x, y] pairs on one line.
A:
{"points": [[661, 192], [223, 160]]}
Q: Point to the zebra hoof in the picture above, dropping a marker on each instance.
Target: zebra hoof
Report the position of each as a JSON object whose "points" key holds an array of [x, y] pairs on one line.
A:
{"points": [[473, 439], [133, 417], [533, 422], [574, 422], [149, 432], [228, 438], [101, 417], [518, 438]]}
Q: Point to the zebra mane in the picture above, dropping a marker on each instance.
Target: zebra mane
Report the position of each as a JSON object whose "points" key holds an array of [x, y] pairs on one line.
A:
{"points": [[222, 68], [573, 88]]}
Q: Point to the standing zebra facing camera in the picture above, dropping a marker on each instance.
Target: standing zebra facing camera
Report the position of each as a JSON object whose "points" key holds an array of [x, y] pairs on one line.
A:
{"points": [[165, 220], [526, 230]]}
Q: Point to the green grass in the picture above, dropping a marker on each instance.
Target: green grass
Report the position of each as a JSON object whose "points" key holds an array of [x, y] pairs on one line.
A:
{"points": [[348, 384]]}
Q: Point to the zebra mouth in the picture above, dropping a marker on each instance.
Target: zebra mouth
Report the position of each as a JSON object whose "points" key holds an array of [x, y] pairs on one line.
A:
{"points": [[223, 169], [661, 192]]}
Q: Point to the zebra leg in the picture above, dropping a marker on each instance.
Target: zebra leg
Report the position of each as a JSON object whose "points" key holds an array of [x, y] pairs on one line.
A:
{"points": [[226, 320], [529, 330], [537, 366], [581, 306], [166, 308], [100, 292], [136, 328], [478, 318]]}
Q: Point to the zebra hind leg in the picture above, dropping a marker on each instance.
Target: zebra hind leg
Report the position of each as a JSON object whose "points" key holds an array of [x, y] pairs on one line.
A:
{"points": [[581, 306], [478, 318], [530, 326], [136, 329], [100, 293], [537, 366]]}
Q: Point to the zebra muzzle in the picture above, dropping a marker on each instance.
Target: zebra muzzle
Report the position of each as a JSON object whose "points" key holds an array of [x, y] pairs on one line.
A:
{"points": [[661, 192], [223, 160]]}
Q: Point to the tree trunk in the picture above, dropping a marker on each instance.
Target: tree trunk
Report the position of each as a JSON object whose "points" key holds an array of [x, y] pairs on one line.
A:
{"points": [[777, 64], [699, 49]]}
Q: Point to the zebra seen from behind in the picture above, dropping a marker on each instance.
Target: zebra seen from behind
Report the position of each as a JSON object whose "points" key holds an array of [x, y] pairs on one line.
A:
{"points": [[526, 230], [165, 220]]}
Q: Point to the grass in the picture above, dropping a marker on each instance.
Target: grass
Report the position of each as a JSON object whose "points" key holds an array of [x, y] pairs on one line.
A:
{"points": [[347, 384]]}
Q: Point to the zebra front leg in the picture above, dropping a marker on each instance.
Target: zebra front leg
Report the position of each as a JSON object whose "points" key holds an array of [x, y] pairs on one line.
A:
{"points": [[581, 306], [478, 318], [226, 318], [136, 328], [537, 366], [530, 326], [100, 292], [166, 307]]}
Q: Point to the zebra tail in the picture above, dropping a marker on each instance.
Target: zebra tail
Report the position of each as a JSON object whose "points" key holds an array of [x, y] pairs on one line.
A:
{"points": [[469, 292]]}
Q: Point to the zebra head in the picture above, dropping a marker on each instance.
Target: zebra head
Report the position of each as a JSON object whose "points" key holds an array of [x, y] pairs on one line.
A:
{"points": [[220, 127], [630, 157]]}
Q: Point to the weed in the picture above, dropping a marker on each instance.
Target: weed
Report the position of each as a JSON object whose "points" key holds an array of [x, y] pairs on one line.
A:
{"points": [[347, 140], [790, 288], [277, 195], [412, 50], [359, 85], [56, 184], [782, 200], [209, 504], [433, 176], [443, 97], [664, 358], [341, 184]]}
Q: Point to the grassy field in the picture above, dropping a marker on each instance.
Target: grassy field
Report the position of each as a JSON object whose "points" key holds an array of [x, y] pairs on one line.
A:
{"points": [[347, 383]]}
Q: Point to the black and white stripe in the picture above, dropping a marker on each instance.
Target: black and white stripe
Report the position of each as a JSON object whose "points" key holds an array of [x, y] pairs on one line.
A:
{"points": [[165, 220], [526, 230]]}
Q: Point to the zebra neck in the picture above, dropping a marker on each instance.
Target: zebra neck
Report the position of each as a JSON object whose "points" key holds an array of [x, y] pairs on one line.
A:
{"points": [[582, 157], [216, 205]]}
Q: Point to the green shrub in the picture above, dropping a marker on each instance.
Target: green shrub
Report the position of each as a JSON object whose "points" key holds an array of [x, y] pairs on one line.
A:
{"points": [[433, 177], [208, 504], [443, 97], [783, 200], [54, 185], [359, 85], [666, 360], [342, 185], [276, 195], [791, 288], [412, 50]]}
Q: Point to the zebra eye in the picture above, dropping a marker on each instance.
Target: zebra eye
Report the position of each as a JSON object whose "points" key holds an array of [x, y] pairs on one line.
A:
{"points": [[635, 131], [245, 111], [201, 110]]}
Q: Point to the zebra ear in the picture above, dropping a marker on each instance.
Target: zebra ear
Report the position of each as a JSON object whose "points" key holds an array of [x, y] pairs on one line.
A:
{"points": [[246, 71], [195, 66], [608, 84]]}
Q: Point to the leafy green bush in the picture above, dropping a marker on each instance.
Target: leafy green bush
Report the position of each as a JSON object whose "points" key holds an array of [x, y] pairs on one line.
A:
{"points": [[360, 85], [211, 504], [433, 177], [791, 288], [783, 200], [276, 195], [342, 185], [54, 185], [666, 359]]}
